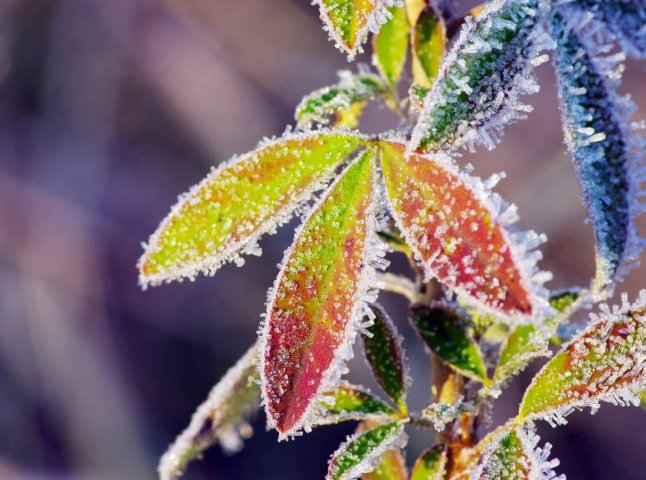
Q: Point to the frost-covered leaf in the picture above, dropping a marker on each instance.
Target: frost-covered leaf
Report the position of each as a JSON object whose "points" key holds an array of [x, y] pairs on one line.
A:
{"points": [[391, 46], [525, 342], [599, 138], [240, 200], [352, 91], [392, 465], [349, 21], [316, 305], [431, 464], [445, 334], [481, 79], [222, 418], [362, 453], [458, 230], [382, 345], [429, 42], [350, 402], [516, 456], [604, 362], [626, 19], [441, 414]]}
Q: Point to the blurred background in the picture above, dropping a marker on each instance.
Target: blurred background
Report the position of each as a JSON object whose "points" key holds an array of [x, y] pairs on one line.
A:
{"points": [[111, 108]]}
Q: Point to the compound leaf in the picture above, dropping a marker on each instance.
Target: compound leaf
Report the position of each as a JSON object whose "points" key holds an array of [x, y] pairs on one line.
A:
{"points": [[429, 43], [350, 402], [516, 456], [605, 154], [431, 464], [222, 418], [471, 101], [349, 21], [391, 46], [604, 362], [362, 452], [348, 96], [225, 214], [445, 334], [382, 345], [316, 304], [457, 230]]}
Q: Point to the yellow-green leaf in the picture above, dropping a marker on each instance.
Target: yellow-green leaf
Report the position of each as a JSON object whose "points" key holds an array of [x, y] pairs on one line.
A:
{"points": [[351, 402], [222, 418], [316, 305], [429, 43], [225, 214], [391, 46], [431, 464], [604, 362]]}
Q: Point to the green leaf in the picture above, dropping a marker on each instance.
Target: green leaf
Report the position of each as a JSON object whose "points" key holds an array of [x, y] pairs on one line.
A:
{"points": [[316, 306], [350, 402], [349, 96], [429, 43], [362, 452], [382, 345], [225, 214], [458, 231], [349, 21], [392, 465], [222, 418], [525, 343], [604, 362], [431, 464], [445, 334], [515, 456], [471, 101], [391, 46]]}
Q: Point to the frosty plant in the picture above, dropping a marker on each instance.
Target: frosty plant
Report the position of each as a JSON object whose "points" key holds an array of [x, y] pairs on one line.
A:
{"points": [[477, 301]]}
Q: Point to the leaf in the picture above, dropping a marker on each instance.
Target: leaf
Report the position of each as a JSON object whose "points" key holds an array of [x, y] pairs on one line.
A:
{"points": [[350, 402], [392, 465], [242, 199], [349, 21], [362, 453], [605, 154], [525, 343], [382, 345], [351, 91], [642, 398], [317, 301], [604, 362], [431, 464], [443, 332], [390, 46], [470, 101], [457, 230], [625, 19], [221, 418], [429, 42], [515, 456]]}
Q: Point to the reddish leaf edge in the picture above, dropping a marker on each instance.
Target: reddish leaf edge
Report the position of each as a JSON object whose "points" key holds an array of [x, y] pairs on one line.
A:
{"points": [[210, 265], [523, 244], [374, 254]]}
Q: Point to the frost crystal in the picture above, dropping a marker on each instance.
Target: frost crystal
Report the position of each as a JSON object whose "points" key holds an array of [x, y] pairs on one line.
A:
{"points": [[489, 67], [320, 105], [606, 151], [516, 456], [221, 418], [624, 18], [605, 362]]}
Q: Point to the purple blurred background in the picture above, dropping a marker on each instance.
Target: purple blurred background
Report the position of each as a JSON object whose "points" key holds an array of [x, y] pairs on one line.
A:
{"points": [[111, 108]]}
